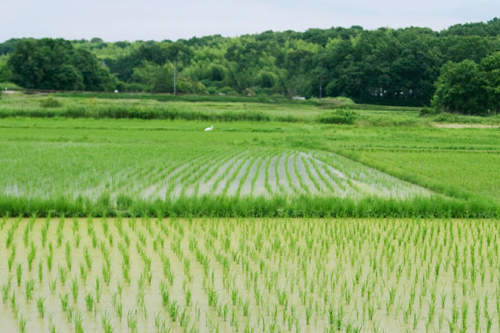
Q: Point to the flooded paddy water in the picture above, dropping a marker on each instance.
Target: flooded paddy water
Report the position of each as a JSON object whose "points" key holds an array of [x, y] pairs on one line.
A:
{"points": [[248, 275]]}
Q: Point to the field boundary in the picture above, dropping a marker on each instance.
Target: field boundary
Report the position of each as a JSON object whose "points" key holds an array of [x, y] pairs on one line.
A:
{"points": [[278, 206]]}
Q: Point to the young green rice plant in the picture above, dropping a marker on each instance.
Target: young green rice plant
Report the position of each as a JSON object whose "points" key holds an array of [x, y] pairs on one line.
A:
{"points": [[465, 306], [10, 237], [165, 295], [62, 275], [19, 274], [97, 290], [78, 239], [132, 322], [45, 229], [188, 297], [173, 310], [49, 257], [78, 322], [74, 289], [106, 274], [68, 256], [89, 302], [31, 256], [5, 292], [22, 324], [184, 319], [212, 297], [52, 285], [13, 303], [87, 258], [117, 304], [29, 287], [245, 307], [40, 271], [12, 256], [59, 238], [309, 313], [64, 301], [477, 315], [106, 324], [94, 240], [40, 305], [26, 235]]}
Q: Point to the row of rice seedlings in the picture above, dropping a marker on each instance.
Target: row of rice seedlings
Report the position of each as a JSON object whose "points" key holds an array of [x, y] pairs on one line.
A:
{"points": [[303, 186], [160, 178], [243, 179], [278, 185], [227, 171], [327, 182], [291, 184], [186, 170], [211, 169], [235, 174], [193, 171], [267, 183], [148, 172], [310, 175]]}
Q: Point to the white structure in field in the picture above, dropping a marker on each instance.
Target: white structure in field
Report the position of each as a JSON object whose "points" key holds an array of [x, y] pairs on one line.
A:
{"points": [[209, 128]]}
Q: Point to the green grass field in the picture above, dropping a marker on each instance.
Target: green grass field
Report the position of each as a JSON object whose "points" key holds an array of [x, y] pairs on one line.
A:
{"points": [[276, 222], [390, 162]]}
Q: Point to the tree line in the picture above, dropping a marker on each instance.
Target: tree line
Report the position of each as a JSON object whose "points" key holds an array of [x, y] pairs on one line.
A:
{"points": [[410, 66]]}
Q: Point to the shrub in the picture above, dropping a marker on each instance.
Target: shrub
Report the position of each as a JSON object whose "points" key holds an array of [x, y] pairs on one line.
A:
{"points": [[427, 111], [339, 116], [50, 102]]}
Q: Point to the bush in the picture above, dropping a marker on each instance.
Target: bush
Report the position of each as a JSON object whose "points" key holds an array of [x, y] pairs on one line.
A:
{"points": [[339, 116], [427, 111], [334, 102], [50, 102]]}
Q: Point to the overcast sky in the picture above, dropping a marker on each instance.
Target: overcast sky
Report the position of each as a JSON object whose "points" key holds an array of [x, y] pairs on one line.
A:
{"points": [[131, 20]]}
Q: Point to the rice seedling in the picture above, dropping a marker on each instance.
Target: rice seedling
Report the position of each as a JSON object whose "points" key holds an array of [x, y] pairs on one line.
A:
{"points": [[74, 289], [106, 323], [40, 305], [22, 324], [19, 274]]}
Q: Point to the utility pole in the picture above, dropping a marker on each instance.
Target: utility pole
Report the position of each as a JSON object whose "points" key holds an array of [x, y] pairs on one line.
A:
{"points": [[320, 80], [320, 86], [175, 77]]}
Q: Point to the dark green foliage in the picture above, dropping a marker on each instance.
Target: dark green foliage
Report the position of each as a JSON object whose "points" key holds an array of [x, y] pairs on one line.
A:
{"points": [[137, 112], [427, 111], [50, 102], [469, 88], [56, 65], [340, 116], [217, 206], [384, 66], [188, 98]]}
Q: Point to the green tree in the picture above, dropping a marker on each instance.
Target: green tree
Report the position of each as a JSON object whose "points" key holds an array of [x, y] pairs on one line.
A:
{"points": [[490, 66], [461, 88], [55, 64]]}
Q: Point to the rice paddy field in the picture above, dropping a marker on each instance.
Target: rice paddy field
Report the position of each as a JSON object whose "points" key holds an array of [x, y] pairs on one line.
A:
{"points": [[250, 275], [271, 222]]}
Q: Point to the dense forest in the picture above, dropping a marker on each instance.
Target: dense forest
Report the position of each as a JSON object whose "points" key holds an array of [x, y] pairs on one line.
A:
{"points": [[457, 69]]}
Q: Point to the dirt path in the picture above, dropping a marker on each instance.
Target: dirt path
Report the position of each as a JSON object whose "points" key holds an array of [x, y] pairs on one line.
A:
{"points": [[464, 126]]}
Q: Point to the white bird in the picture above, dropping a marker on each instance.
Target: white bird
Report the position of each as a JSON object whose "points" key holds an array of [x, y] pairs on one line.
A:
{"points": [[209, 128]]}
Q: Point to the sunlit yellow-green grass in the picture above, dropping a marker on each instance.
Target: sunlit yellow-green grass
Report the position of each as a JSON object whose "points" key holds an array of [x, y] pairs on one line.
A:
{"points": [[249, 275]]}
